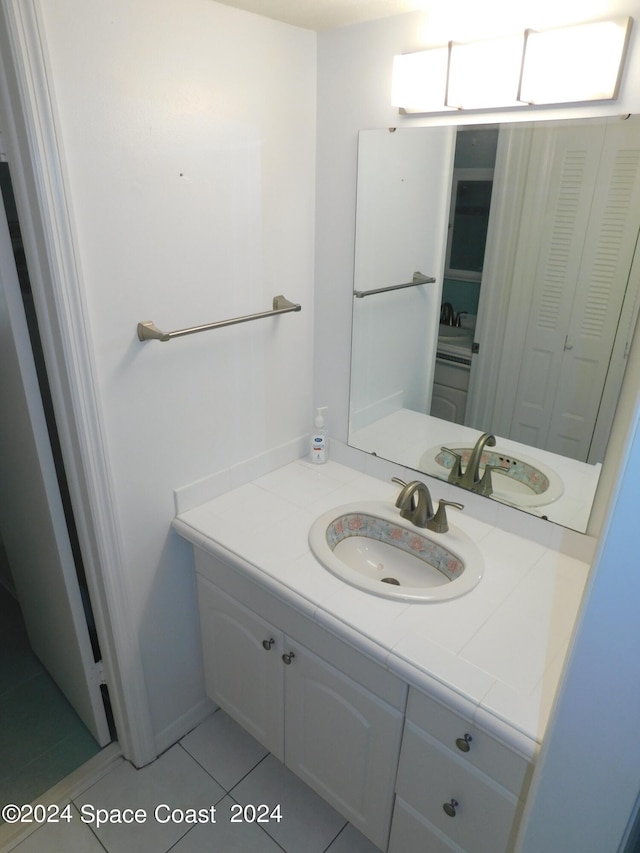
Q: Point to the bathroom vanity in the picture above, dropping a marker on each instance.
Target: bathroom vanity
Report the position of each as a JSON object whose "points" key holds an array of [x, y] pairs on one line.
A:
{"points": [[419, 722], [452, 371]]}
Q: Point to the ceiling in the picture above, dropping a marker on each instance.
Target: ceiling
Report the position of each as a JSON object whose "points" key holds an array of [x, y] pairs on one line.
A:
{"points": [[326, 14]]}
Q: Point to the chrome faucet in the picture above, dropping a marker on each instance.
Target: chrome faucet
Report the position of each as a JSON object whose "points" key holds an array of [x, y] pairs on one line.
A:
{"points": [[415, 504], [471, 479]]}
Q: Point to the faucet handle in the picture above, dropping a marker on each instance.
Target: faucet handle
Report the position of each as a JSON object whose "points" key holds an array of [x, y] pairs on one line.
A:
{"points": [[455, 475], [485, 486], [439, 522]]}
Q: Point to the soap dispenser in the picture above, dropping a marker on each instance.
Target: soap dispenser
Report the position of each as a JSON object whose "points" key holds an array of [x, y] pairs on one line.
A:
{"points": [[319, 450]]}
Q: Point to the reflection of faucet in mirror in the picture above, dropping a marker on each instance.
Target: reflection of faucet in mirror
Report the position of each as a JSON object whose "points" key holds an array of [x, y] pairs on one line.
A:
{"points": [[471, 479], [415, 504], [447, 314]]}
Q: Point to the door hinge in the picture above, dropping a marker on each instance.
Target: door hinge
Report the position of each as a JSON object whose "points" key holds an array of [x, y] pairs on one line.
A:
{"points": [[98, 673]]}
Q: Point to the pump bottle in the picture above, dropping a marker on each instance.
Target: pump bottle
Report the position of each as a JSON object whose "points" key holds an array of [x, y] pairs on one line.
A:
{"points": [[319, 449]]}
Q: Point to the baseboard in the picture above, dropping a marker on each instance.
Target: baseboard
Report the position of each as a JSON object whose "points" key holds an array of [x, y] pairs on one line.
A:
{"points": [[184, 724]]}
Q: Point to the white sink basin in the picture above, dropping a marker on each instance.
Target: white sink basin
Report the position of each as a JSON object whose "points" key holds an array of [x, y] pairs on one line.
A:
{"points": [[526, 482], [454, 333], [370, 547]]}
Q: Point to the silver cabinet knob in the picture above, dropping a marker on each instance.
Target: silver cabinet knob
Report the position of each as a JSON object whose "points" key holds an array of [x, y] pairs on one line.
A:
{"points": [[266, 644], [288, 657], [450, 808], [464, 743]]}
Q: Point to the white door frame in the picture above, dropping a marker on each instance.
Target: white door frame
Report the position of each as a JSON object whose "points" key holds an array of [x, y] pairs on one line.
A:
{"points": [[29, 127]]}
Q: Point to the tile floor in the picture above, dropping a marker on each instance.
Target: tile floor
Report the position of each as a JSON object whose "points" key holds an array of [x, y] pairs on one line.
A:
{"points": [[216, 764], [42, 739]]}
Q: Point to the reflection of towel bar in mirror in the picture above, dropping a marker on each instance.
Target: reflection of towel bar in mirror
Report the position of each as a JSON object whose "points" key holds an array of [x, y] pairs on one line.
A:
{"points": [[418, 278], [150, 332]]}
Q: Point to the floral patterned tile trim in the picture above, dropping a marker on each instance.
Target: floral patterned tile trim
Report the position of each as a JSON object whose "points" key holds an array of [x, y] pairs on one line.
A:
{"points": [[361, 524], [518, 470]]}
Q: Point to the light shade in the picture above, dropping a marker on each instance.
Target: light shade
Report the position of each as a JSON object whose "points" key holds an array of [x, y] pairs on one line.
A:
{"points": [[420, 81], [570, 64], [485, 74]]}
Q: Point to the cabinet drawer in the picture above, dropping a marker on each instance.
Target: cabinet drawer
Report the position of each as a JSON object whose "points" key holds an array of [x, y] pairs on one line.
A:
{"points": [[412, 833], [452, 375], [507, 767], [431, 776]]}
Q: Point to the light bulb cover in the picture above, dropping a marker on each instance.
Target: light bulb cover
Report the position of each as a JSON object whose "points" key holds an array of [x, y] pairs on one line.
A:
{"points": [[484, 74], [574, 64]]}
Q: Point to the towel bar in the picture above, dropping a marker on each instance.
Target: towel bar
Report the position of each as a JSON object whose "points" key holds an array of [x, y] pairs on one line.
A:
{"points": [[150, 332], [418, 278]]}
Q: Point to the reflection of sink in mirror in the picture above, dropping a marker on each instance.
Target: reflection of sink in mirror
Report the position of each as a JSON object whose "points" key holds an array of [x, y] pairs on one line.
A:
{"points": [[453, 333], [518, 480], [370, 547]]}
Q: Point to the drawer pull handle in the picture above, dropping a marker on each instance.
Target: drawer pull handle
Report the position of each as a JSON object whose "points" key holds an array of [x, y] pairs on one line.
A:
{"points": [[450, 808], [266, 644], [287, 658], [463, 743]]}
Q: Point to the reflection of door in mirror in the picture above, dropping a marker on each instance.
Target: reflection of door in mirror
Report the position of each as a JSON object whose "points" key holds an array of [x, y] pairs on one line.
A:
{"points": [[469, 209], [575, 244]]}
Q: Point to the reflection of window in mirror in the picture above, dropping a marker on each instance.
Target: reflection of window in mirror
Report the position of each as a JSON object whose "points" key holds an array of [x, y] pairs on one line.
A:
{"points": [[468, 222], [473, 166]]}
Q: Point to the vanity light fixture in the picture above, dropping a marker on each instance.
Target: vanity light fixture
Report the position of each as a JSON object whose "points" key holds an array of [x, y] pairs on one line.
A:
{"points": [[561, 66]]}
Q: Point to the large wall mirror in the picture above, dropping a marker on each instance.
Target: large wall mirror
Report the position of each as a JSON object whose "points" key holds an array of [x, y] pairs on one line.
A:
{"points": [[496, 290]]}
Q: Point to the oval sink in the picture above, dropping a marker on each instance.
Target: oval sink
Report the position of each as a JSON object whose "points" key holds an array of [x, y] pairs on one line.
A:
{"points": [[453, 333], [369, 546], [525, 482]]}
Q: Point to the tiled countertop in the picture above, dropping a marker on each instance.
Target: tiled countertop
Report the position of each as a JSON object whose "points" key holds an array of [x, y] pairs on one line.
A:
{"points": [[495, 653]]}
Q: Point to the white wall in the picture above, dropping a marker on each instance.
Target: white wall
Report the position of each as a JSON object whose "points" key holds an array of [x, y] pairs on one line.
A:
{"points": [[395, 334], [188, 137]]}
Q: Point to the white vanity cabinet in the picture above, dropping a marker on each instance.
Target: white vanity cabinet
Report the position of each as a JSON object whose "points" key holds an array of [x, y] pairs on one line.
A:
{"points": [[450, 388], [334, 730], [458, 788], [410, 771]]}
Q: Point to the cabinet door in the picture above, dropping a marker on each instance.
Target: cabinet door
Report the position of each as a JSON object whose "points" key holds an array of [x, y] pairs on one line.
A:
{"points": [[243, 666], [449, 404], [343, 741]]}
